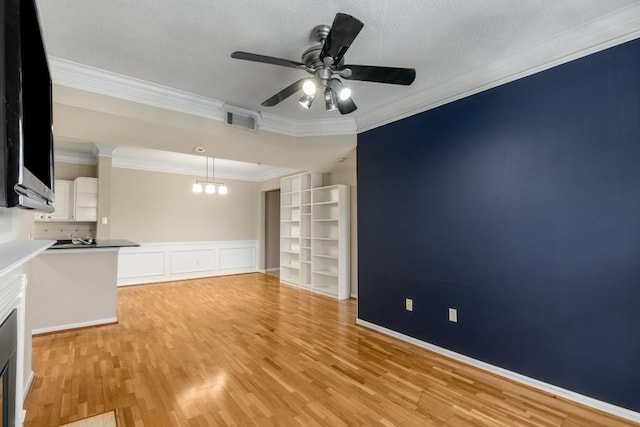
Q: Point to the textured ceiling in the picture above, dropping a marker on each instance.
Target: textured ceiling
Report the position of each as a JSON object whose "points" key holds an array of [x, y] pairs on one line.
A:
{"points": [[187, 44]]}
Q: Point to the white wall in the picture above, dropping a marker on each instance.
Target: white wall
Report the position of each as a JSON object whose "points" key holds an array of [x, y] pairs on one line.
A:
{"points": [[15, 224]]}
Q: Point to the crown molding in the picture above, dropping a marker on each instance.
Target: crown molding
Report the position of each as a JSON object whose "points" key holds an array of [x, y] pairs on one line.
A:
{"points": [[103, 150], [276, 173], [167, 167], [120, 161], [96, 80], [604, 32], [309, 127], [77, 158]]}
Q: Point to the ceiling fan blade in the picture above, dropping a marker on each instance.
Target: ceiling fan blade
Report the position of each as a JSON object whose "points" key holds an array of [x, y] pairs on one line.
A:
{"points": [[391, 75], [268, 60], [343, 32], [347, 106], [283, 94]]}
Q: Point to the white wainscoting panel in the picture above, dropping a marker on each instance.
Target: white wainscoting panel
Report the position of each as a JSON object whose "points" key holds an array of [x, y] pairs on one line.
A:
{"points": [[143, 263], [234, 258], [191, 260], [162, 262]]}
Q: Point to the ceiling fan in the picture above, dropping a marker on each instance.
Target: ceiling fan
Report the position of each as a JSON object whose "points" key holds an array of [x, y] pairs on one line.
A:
{"points": [[326, 63]]}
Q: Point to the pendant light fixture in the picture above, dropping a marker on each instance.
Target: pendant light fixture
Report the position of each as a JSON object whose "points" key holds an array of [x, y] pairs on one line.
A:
{"points": [[210, 186]]}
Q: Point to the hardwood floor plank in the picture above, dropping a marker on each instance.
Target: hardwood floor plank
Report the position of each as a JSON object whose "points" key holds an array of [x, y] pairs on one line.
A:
{"points": [[244, 351]]}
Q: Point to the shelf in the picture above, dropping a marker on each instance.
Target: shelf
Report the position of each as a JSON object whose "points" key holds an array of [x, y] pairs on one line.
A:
{"points": [[326, 273], [326, 288], [327, 291], [289, 283], [318, 216]]}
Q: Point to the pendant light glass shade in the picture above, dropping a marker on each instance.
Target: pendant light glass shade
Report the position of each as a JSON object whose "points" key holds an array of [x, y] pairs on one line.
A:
{"points": [[209, 185]]}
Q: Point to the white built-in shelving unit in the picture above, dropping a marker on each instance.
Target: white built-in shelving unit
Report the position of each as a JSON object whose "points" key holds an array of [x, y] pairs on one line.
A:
{"points": [[314, 235]]}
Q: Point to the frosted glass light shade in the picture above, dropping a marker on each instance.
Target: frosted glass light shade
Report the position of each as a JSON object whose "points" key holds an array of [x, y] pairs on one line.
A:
{"points": [[210, 188], [222, 189], [344, 94], [309, 87], [197, 188]]}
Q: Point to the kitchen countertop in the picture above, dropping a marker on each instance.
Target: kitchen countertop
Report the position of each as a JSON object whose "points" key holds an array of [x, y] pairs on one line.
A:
{"points": [[98, 244], [17, 252]]}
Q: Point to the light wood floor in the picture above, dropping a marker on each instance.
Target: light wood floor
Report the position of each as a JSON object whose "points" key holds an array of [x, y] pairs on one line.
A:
{"points": [[243, 351]]}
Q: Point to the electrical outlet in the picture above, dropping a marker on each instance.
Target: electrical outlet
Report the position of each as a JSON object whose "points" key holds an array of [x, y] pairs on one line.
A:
{"points": [[105, 220], [453, 315], [409, 304]]}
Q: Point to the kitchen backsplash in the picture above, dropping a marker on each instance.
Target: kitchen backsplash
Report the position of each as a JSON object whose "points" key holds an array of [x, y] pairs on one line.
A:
{"points": [[63, 230]]}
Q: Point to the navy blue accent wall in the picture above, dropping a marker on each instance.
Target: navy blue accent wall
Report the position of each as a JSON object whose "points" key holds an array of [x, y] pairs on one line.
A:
{"points": [[520, 207]]}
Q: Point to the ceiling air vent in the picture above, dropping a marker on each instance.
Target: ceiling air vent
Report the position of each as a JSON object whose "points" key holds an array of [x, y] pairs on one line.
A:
{"points": [[240, 118]]}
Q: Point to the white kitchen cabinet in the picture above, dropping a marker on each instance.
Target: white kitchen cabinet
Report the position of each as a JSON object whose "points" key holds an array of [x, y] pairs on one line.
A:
{"points": [[63, 204], [85, 199]]}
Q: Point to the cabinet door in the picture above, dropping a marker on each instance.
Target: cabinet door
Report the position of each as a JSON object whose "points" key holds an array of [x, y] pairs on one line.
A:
{"points": [[62, 210], [86, 199]]}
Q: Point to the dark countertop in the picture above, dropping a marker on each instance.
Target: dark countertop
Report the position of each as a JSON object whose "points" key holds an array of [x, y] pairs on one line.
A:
{"points": [[98, 244]]}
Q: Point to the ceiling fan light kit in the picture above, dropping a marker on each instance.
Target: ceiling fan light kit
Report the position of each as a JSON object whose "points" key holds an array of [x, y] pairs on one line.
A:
{"points": [[307, 100], [325, 62], [309, 87]]}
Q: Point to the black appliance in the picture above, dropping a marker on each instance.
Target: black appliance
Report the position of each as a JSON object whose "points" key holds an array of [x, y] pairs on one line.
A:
{"points": [[26, 137]]}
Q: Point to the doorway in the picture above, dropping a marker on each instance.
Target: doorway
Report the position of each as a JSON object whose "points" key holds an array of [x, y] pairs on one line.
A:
{"points": [[272, 232]]}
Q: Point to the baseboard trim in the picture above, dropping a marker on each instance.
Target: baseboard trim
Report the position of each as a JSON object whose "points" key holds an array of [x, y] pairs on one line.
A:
{"points": [[514, 376], [354, 296], [79, 325], [27, 387]]}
